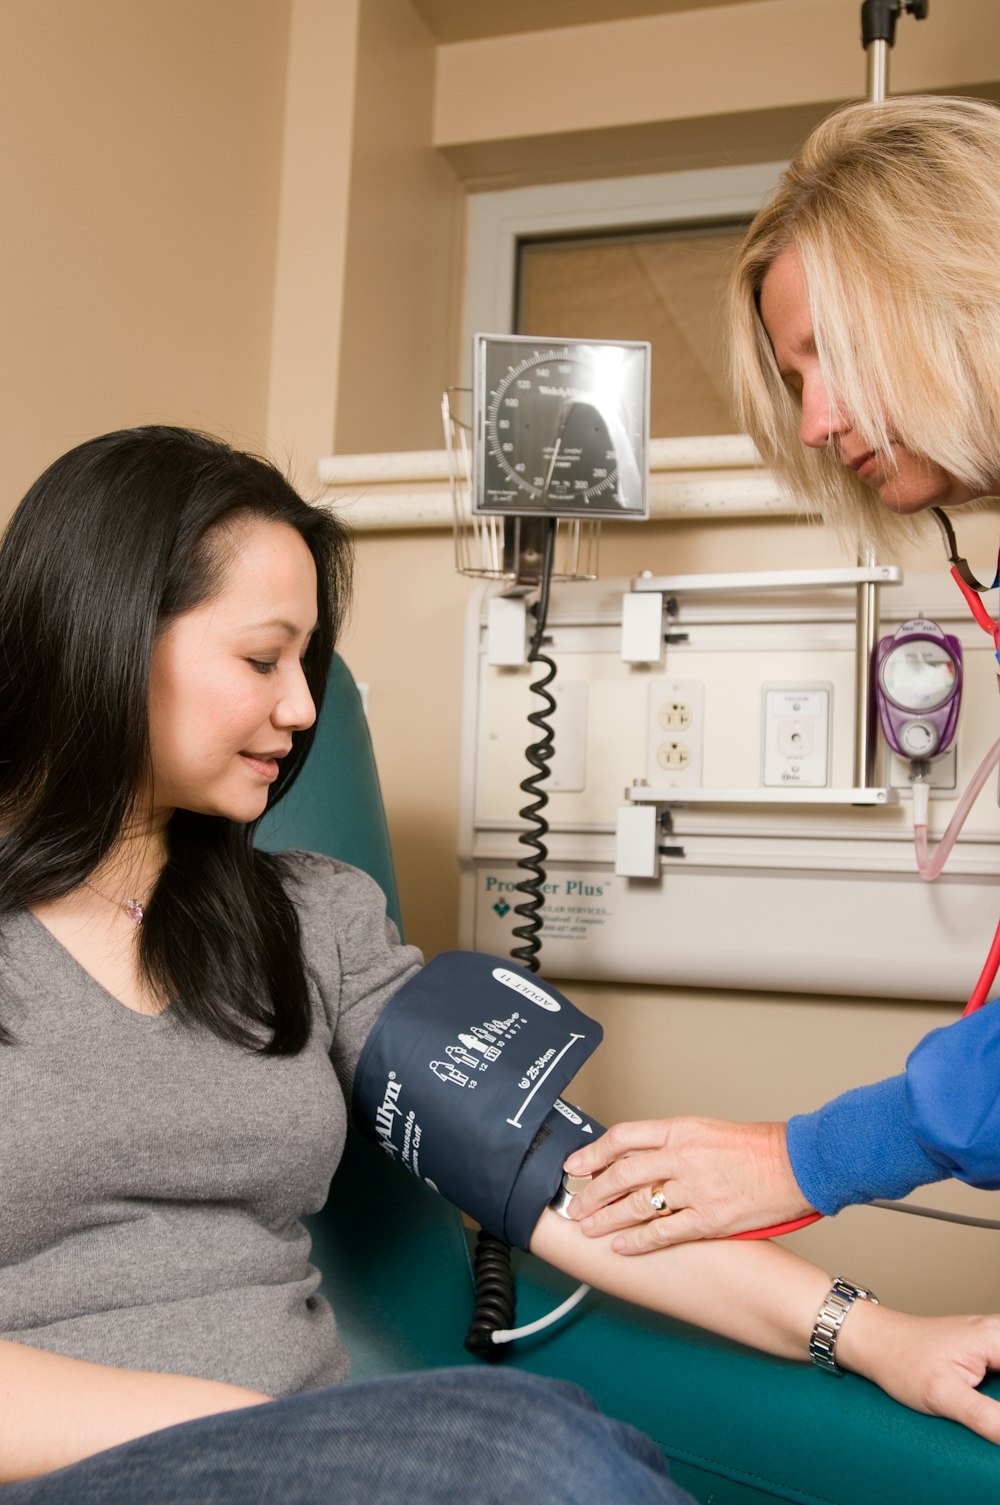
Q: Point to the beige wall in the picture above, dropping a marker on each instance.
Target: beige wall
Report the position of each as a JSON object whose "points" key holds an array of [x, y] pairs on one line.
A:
{"points": [[403, 245], [767, 55], [142, 150], [316, 145], [693, 87]]}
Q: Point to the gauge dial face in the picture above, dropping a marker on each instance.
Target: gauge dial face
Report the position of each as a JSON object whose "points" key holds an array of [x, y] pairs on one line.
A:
{"points": [[918, 689], [561, 427], [919, 675]]}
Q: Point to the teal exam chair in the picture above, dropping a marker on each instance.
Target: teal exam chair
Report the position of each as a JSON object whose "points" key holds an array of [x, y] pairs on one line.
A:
{"points": [[737, 1426]]}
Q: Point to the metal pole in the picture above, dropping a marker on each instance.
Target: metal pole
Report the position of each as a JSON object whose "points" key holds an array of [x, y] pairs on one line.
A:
{"points": [[866, 636], [878, 24], [878, 33], [877, 70]]}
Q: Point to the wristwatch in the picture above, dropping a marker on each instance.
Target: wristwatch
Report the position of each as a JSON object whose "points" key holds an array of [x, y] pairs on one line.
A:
{"points": [[823, 1343]]}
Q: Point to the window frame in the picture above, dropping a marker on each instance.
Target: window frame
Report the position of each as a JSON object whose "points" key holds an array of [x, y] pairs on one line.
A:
{"points": [[498, 219]]}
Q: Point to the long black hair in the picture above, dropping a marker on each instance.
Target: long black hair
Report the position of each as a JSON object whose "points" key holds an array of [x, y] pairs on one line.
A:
{"points": [[111, 544]]}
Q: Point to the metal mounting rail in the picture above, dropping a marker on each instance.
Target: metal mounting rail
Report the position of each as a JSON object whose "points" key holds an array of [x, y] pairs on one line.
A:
{"points": [[769, 580], [652, 794]]}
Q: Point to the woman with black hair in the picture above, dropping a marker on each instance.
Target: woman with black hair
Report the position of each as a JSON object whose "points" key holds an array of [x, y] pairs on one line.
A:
{"points": [[171, 1000], [181, 1019]]}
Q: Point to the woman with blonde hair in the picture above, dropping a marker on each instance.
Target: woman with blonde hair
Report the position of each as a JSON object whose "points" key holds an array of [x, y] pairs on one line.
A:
{"points": [[884, 232], [865, 307]]}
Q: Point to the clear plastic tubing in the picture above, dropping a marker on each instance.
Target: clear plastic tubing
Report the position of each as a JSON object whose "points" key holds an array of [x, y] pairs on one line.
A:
{"points": [[929, 867]]}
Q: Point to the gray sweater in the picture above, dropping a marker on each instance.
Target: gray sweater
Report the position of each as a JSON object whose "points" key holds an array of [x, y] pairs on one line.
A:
{"points": [[152, 1177]]}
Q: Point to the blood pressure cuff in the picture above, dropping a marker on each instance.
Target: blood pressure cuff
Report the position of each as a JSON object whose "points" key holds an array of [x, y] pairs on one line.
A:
{"points": [[459, 1081]]}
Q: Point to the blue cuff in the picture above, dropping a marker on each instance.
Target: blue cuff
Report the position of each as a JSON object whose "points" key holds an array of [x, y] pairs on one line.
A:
{"points": [[459, 1081], [859, 1147]]}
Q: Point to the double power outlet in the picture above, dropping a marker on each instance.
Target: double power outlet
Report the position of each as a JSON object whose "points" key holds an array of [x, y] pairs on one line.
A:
{"points": [[676, 733]]}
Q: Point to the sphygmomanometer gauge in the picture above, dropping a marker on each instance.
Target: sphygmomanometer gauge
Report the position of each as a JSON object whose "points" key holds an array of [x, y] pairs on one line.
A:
{"points": [[561, 428]]}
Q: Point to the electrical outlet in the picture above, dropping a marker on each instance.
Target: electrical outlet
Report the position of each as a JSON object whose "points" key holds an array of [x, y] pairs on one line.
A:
{"points": [[673, 755], [675, 733], [675, 716]]}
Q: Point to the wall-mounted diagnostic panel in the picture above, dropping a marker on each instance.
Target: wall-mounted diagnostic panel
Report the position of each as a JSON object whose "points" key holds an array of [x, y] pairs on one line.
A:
{"points": [[706, 827]]}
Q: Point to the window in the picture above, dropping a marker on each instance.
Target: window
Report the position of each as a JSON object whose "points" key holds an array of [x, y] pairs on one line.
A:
{"points": [[666, 287], [621, 258]]}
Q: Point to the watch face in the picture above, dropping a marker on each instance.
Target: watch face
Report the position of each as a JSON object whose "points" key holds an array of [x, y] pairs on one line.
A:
{"points": [[561, 427]]}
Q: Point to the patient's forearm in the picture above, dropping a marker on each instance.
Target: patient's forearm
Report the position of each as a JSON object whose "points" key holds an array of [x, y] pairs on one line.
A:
{"points": [[755, 1292], [759, 1293], [55, 1411]]}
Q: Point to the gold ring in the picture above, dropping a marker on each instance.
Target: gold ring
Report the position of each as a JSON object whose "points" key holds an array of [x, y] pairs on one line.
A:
{"points": [[658, 1202]]}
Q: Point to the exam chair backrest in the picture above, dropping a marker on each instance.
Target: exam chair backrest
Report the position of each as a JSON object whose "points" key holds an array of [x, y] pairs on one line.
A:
{"points": [[393, 1254]]}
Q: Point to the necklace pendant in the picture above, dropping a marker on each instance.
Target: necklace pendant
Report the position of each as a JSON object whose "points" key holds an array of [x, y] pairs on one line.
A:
{"points": [[134, 910]]}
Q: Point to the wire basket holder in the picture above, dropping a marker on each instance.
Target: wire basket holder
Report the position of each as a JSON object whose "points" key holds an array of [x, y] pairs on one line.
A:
{"points": [[495, 547]]}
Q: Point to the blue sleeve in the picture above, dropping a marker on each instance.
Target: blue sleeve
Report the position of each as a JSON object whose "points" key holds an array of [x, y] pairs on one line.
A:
{"points": [[860, 1146], [940, 1119]]}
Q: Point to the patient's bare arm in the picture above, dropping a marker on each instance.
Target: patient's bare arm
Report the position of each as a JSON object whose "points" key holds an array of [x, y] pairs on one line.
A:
{"points": [[763, 1295], [56, 1410]]}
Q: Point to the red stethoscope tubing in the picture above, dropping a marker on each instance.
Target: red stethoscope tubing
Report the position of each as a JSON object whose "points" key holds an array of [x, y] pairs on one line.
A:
{"points": [[780, 1228], [975, 605], [973, 600], [981, 992], [987, 977]]}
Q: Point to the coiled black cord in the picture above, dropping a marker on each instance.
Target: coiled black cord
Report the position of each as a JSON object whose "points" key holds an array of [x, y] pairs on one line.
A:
{"points": [[539, 755], [491, 1267], [495, 1300]]}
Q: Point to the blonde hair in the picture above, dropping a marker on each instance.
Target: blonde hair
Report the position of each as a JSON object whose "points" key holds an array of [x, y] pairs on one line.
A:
{"points": [[894, 212]]}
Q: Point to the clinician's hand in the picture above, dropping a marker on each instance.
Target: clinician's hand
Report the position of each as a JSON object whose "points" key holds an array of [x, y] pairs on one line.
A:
{"points": [[718, 1178]]}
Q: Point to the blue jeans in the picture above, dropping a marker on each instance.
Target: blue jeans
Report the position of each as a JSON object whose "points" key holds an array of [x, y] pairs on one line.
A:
{"points": [[444, 1437]]}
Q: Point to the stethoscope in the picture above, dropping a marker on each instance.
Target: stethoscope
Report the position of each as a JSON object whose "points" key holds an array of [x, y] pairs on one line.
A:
{"points": [[973, 591], [966, 581]]}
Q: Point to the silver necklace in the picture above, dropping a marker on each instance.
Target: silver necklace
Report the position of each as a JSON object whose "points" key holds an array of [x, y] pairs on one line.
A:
{"points": [[132, 907]]}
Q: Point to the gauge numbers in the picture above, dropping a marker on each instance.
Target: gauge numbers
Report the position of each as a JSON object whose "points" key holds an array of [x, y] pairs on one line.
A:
{"points": [[562, 427]]}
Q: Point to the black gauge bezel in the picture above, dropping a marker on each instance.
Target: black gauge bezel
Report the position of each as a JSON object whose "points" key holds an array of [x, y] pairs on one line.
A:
{"points": [[504, 485]]}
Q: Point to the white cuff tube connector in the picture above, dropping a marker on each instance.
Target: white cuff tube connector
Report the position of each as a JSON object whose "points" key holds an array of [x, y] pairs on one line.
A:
{"points": [[929, 867]]}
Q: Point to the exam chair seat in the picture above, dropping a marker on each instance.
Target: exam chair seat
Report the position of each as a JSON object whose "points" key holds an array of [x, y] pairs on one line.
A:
{"points": [[738, 1427]]}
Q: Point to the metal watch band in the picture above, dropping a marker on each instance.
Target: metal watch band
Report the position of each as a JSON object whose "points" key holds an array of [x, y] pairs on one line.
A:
{"points": [[823, 1343]]}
